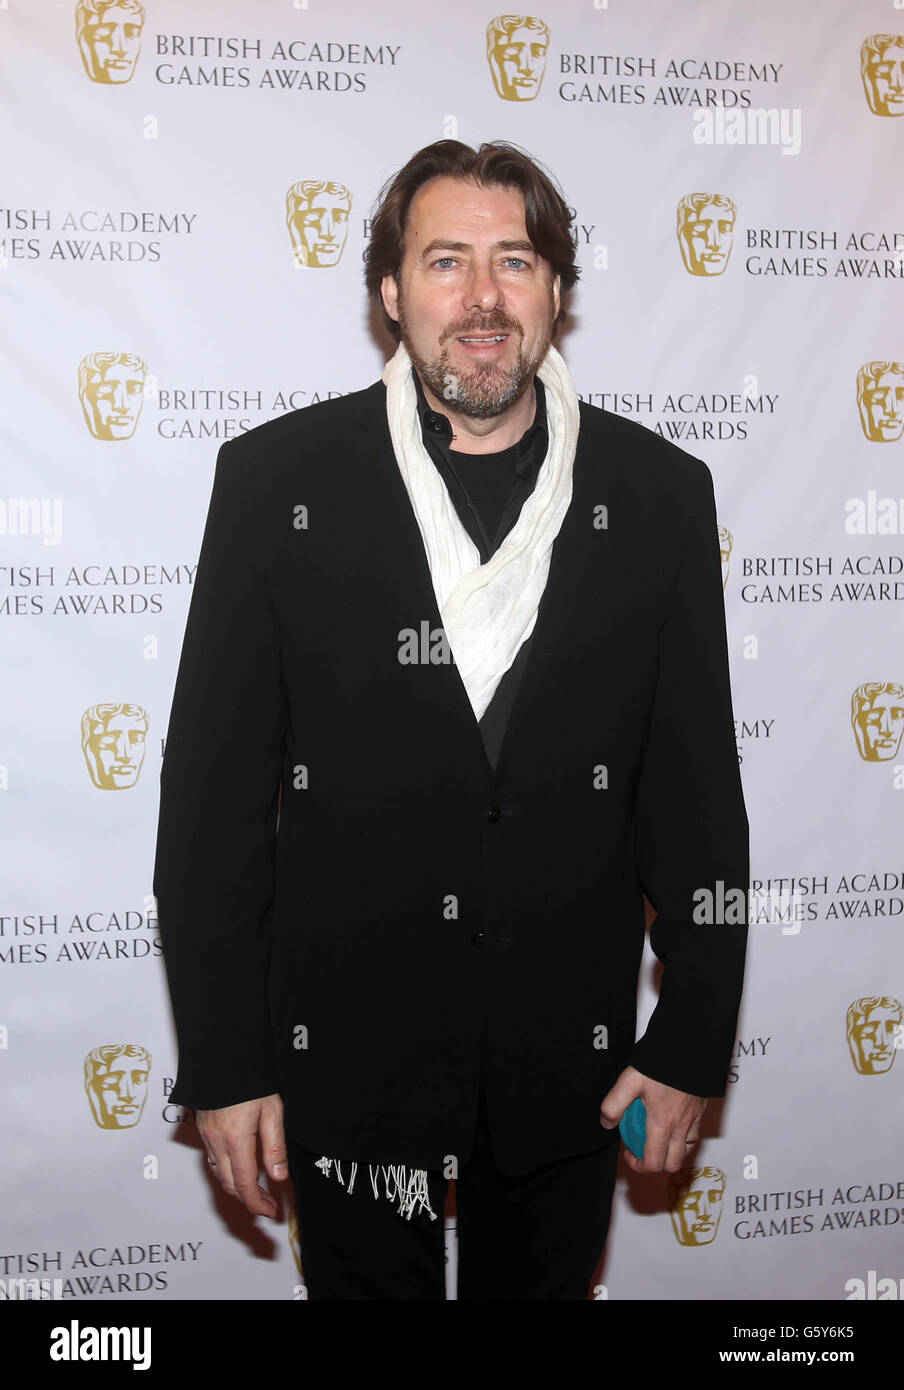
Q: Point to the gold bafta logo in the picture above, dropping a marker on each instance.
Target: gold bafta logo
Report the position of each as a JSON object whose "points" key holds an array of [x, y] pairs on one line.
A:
{"points": [[317, 214], [882, 70], [877, 714], [706, 232], [111, 390], [725, 547], [108, 33], [696, 1206], [516, 53], [880, 400], [113, 743], [874, 1032], [116, 1082]]}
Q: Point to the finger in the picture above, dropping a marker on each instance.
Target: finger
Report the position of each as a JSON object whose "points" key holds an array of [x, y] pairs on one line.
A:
{"points": [[220, 1167], [655, 1145], [273, 1144], [616, 1102], [244, 1177]]}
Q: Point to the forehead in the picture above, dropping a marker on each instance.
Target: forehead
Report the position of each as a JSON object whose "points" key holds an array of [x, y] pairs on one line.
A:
{"points": [[461, 210], [521, 34], [710, 212], [113, 14]]}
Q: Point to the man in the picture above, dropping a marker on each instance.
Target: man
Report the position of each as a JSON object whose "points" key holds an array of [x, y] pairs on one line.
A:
{"points": [[453, 694]]}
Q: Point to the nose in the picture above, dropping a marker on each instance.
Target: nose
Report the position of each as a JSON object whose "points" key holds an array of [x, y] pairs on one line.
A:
{"points": [[482, 290], [896, 77], [327, 227]]}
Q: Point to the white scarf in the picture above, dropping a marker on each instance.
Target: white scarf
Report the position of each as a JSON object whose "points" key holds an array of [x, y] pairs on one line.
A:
{"points": [[488, 610]]}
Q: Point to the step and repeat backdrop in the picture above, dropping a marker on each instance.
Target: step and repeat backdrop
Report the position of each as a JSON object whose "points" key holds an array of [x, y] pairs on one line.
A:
{"points": [[184, 201]]}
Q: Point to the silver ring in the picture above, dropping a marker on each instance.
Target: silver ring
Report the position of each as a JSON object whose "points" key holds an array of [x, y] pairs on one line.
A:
{"points": [[212, 1162]]}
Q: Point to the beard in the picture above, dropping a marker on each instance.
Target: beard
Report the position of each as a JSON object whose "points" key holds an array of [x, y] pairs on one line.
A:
{"points": [[486, 389]]}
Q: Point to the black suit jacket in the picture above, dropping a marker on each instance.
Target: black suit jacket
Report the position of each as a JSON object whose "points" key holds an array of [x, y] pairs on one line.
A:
{"points": [[355, 906]]}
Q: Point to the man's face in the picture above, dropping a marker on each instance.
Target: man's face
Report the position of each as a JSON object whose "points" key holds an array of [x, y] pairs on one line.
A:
{"points": [[518, 63], [113, 402], [696, 1214], [117, 750], [707, 237], [110, 46], [885, 74], [118, 1091], [873, 1040], [879, 727], [882, 407], [321, 227], [475, 302]]}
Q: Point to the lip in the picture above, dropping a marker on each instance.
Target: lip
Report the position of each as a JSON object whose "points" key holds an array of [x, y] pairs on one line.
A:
{"points": [[484, 344]]}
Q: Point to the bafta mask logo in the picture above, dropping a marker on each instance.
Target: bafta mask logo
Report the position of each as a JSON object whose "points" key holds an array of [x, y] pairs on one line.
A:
{"points": [[706, 232], [317, 214], [725, 546], [113, 743], [116, 1081], [877, 714], [696, 1207], [874, 1033], [111, 390], [109, 37], [516, 53], [880, 400], [882, 70]]}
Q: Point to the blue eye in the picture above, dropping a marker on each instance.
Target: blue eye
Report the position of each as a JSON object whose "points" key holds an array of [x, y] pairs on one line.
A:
{"points": [[447, 260]]}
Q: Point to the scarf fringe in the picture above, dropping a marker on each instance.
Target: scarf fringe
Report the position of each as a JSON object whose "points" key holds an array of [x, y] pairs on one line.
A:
{"points": [[407, 1186]]}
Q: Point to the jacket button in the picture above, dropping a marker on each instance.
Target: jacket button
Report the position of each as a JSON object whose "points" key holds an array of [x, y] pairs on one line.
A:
{"points": [[478, 938], [493, 814]]}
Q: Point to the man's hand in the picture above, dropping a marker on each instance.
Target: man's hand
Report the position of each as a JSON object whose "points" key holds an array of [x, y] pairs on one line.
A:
{"points": [[673, 1121], [230, 1138]]}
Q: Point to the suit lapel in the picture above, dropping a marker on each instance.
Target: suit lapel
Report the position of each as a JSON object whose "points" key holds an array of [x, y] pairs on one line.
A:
{"points": [[570, 554]]}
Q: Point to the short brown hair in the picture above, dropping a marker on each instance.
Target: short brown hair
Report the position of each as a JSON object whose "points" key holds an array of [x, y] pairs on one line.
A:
{"points": [[496, 164]]}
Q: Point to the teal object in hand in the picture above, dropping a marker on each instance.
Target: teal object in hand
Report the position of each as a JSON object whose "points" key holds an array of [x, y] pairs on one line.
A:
{"points": [[633, 1127]]}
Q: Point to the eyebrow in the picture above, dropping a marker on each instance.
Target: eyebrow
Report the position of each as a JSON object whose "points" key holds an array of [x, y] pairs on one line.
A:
{"points": [[438, 244]]}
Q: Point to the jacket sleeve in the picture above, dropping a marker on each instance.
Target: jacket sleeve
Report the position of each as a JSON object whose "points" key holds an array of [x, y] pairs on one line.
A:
{"points": [[691, 825], [219, 796]]}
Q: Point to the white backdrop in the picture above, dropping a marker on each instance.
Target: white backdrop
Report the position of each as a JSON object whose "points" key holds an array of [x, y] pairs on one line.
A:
{"points": [[143, 218]]}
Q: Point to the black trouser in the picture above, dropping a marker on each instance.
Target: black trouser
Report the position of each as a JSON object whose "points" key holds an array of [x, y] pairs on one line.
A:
{"points": [[539, 1236]]}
